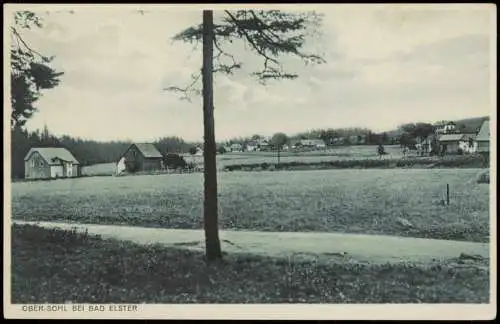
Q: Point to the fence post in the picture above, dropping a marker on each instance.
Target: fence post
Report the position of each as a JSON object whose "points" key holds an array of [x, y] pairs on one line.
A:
{"points": [[447, 194]]}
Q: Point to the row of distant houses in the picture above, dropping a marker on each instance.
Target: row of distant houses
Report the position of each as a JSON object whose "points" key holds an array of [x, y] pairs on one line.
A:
{"points": [[265, 145]]}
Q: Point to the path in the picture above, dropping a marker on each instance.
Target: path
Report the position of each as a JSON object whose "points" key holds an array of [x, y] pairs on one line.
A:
{"points": [[369, 248]]}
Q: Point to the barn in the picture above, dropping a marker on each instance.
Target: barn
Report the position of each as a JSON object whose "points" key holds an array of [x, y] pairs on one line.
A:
{"points": [[49, 163], [140, 157]]}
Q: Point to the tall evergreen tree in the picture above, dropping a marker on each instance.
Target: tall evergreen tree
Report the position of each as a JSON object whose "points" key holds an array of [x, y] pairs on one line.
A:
{"points": [[270, 34]]}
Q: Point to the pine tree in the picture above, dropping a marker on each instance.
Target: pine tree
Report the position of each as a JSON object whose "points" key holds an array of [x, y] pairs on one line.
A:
{"points": [[270, 34]]}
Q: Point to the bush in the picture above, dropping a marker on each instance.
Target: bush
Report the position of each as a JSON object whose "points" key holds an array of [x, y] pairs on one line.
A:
{"points": [[484, 177], [174, 161], [55, 235]]}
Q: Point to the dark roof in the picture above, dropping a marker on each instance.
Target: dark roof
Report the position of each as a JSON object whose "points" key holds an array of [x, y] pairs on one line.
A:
{"points": [[53, 154], [148, 150], [484, 132], [471, 125]]}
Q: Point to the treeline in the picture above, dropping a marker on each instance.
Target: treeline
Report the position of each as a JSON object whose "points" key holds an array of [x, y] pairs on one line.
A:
{"points": [[340, 136], [87, 152]]}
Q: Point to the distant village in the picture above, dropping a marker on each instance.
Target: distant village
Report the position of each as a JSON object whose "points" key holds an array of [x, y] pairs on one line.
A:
{"points": [[446, 138], [443, 138]]}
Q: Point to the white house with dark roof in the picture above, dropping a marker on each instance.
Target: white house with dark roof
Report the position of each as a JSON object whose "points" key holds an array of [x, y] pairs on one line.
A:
{"points": [[50, 162], [456, 143]]}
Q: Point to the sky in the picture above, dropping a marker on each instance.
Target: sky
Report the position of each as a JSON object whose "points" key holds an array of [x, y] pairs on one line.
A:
{"points": [[385, 65]]}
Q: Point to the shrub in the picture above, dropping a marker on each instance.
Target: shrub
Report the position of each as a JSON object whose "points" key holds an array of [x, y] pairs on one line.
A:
{"points": [[484, 177], [174, 161], [55, 235]]}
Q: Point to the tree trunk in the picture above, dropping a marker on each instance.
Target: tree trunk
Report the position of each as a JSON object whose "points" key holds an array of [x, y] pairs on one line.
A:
{"points": [[278, 155], [212, 242]]}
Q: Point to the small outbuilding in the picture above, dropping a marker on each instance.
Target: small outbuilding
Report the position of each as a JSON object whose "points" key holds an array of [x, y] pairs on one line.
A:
{"points": [[140, 157], [50, 163]]}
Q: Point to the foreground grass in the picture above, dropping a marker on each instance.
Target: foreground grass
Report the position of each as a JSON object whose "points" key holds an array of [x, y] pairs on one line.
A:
{"points": [[350, 201], [55, 266]]}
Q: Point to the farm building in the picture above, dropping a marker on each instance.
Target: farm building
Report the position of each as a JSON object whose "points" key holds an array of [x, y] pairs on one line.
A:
{"points": [[456, 143], [50, 162], [140, 157], [483, 137]]}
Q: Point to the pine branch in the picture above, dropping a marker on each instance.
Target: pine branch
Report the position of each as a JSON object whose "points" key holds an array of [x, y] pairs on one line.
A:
{"points": [[270, 34], [19, 39], [220, 67], [186, 91]]}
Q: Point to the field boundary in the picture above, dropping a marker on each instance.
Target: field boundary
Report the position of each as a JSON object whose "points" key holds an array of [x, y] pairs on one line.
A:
{"points": [[470, 162]]}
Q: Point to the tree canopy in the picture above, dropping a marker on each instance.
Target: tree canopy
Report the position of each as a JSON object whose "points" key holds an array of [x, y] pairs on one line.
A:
{"points": [[271, 34], [30, 70], [278, 140]]}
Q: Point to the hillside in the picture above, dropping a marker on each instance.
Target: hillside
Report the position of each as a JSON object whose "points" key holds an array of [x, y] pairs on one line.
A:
{"points": [[470, 125], [466, 125]]}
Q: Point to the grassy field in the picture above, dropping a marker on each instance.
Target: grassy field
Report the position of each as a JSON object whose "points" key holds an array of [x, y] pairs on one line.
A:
{"points": [[223, 160], [339, 153], [57, 267], [405, 202], [101, 169]]}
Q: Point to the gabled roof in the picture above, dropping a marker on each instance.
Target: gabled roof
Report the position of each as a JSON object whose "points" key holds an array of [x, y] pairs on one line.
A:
{"points": [[53, 155], [451, 137], [484, 132], [148, 150]]}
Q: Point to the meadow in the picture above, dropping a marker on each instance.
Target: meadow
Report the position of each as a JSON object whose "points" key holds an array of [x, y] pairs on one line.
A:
{"points": [[340, 153], [404, 202]]}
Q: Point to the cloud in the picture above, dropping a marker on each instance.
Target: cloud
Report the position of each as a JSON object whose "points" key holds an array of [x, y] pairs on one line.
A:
{"points": [[385, 65]]}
